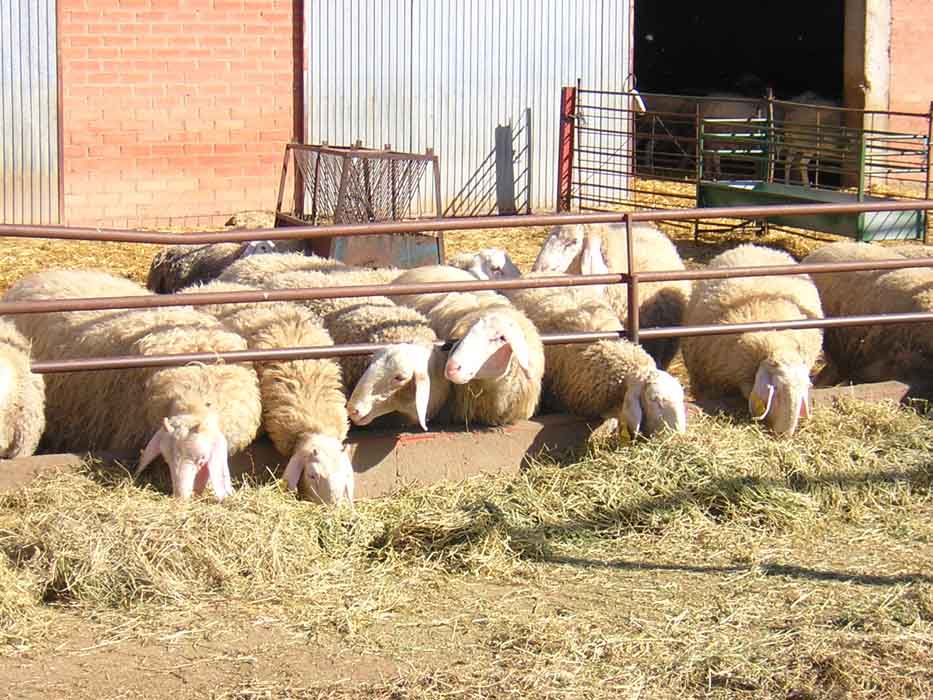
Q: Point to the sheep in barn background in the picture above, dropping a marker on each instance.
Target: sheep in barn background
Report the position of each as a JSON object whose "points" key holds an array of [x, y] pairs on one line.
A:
{"points": [[810, 133], [192, 415], [498, 361], [878, 352], [717, 137], [22, 396], [771, 369], [181, 266], [613, 379], [303, 406], [486, 264], [660, 303], [406, 378]]}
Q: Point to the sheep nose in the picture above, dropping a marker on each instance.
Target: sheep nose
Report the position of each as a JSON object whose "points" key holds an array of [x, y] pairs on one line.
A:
{"points": [[353, 411], [453, 369]]}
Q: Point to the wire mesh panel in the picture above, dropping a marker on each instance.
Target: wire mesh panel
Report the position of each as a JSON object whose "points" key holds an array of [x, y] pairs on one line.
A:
{"points": [[722, 150], [343, 185]]}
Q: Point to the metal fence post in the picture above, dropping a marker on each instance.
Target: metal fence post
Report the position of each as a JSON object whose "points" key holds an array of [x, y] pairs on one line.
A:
{"points": [[505, 171], [568, 105], [926, 191], [529, 159], [632, 322]]}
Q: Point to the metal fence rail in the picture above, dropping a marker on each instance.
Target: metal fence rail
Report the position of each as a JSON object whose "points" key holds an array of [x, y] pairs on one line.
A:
{"points": [[633, 279]]}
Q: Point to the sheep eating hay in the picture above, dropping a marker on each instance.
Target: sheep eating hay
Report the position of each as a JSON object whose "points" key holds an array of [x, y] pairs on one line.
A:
{"points": [[192, 415], [303, 406], [660, 303], [498, 361], [877, 352], [771, 369], [407, 377], [22, 396], [609, 378], [181, 266]]}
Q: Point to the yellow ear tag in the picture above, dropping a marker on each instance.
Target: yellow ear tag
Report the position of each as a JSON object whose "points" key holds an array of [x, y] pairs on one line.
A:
{"points": [[758, 407]]}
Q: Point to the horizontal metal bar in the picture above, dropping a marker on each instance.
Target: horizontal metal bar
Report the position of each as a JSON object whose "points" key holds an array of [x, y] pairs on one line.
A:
{"points": [[448, 224], [285, 354], [11, 308], [796, 269]]}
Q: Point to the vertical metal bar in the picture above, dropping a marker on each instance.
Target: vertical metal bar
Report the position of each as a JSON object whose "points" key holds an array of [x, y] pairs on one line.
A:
{"points": [[368, 189], [437, 205], [393, 184], [698, 168], [505, 171], [281, 196], [568, 101], [926, 191], [316, 188], [632, 322], [529, 160]]}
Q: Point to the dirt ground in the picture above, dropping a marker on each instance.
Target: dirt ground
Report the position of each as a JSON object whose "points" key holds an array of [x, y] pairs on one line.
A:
{"points": [[790, 617]]}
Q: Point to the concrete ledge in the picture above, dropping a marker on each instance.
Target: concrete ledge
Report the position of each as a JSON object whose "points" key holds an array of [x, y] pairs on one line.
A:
{"points": [[385, 460]]}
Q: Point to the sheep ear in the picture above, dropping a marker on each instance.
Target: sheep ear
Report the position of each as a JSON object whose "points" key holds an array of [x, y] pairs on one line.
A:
{"points": [[348, 484], [422, 394], [518, 343], [805, 406], [593, 263], [631, 409], [153, 449], [218, 469], [762, 394], [293, 471]]}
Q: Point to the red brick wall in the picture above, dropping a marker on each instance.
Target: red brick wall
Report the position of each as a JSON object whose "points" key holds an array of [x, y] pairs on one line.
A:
{"points": [[174, 108], [911, 87]]}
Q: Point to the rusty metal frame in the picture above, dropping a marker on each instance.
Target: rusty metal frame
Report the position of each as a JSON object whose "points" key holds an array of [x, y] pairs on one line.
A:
{"points": [[633, 278]]}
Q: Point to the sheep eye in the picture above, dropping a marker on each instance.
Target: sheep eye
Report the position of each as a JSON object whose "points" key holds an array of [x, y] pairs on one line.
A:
{"points": [[400, 377]]}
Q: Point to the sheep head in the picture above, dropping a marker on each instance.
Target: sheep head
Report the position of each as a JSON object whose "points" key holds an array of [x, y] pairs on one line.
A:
{"points": [[561, 248], [322, 463], [398, 379], [780, 395], [654, 402], [493, 264], [488, 349], [257, 248], [196, 453]]}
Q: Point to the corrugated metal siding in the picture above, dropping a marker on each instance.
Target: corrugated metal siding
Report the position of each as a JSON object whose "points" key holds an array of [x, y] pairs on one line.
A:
{"points": [[421, 73], [29, 184]]}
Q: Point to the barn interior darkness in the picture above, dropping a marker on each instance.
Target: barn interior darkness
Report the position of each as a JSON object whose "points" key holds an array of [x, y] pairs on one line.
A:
{"points": [[690, 47]]}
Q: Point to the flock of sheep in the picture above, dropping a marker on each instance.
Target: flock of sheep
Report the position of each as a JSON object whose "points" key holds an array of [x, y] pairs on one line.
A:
{"points": [[497, 372]]}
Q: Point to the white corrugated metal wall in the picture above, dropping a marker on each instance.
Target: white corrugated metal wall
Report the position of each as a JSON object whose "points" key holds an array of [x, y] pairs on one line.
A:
{"points": [[421, 73], [29, 178]]}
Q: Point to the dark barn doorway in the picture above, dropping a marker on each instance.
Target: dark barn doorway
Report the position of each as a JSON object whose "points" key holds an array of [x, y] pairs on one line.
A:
{"points": [[689, 47]]}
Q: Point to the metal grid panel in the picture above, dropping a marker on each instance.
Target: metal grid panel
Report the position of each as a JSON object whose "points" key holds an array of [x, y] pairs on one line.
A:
{"points": [[29, 178], [422, 74]]}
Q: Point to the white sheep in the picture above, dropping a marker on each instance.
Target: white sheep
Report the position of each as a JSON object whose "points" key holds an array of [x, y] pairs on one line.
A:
{"points": [[192, 415], [719, 136], [878, 352], [498, 361], [181, 266], [22, 396], [407, 377], [613, 379], [661, 304], [809, 133], [486, 264], [256, 270], [771, 369], [303, 406]]}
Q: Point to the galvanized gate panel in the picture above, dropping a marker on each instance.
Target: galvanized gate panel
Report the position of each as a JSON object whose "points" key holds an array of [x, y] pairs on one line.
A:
{"points": [[425, 74], [29, 177]]}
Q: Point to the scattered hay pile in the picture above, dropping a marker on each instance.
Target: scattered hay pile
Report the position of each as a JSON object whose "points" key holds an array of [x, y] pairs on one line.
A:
{"points": [[98, 542]]}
